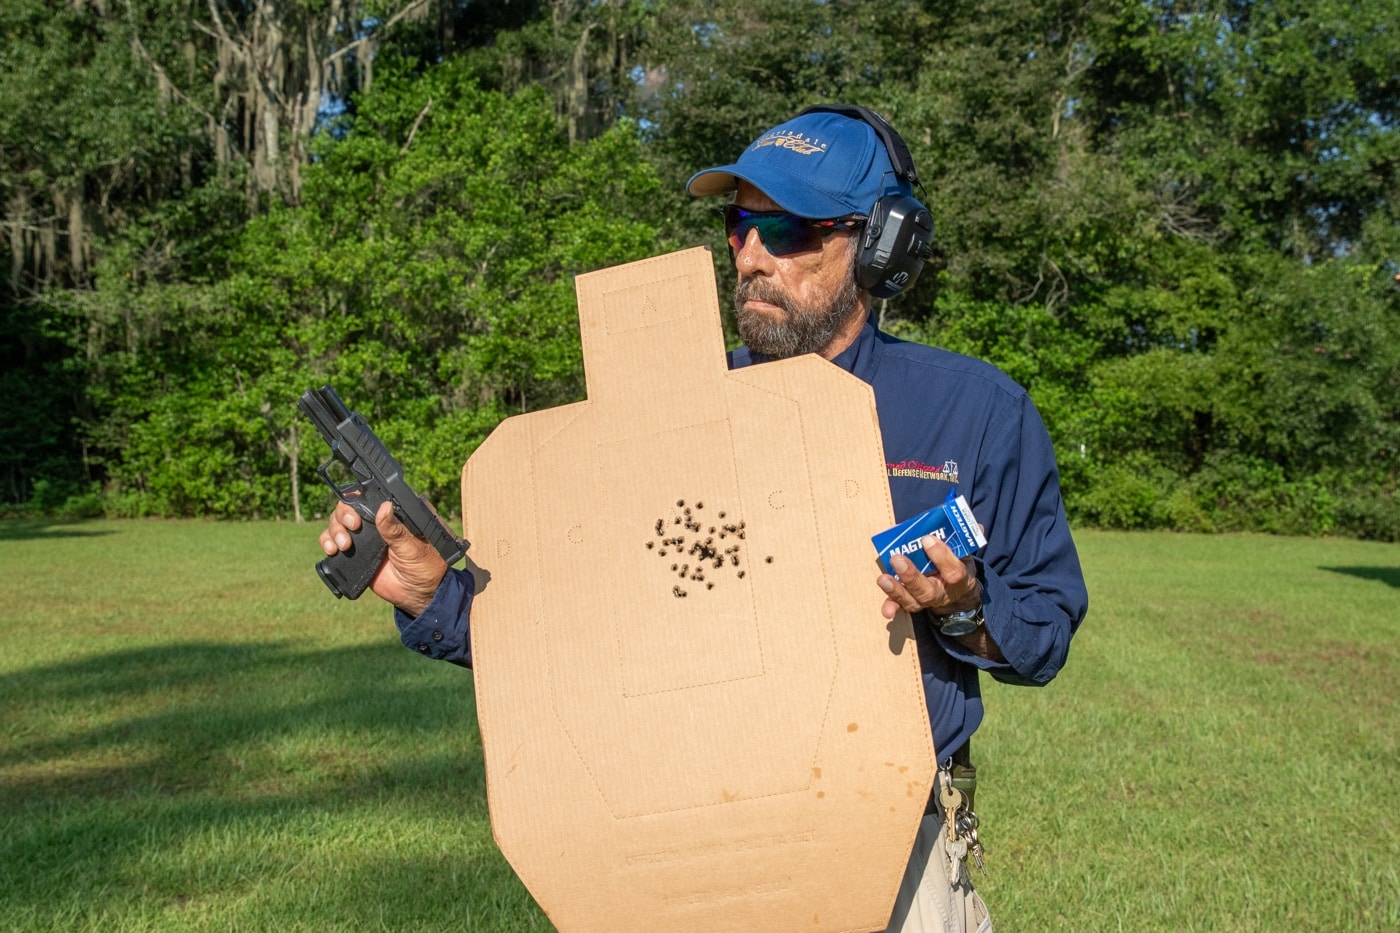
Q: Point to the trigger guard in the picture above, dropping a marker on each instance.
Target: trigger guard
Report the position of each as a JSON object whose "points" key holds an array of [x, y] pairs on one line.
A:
{"points": [[356, 501]]}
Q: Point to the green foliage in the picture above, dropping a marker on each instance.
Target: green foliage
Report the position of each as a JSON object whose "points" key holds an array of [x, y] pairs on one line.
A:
{"points": [[85, 144], [1127, 493], [1277, 120], [77, 103], [427, 275], [1288, 415], [64, 500], [1029, 210]]}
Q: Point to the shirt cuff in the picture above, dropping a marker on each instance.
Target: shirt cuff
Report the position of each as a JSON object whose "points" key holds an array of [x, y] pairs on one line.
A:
{"points": [[996, 610], [1030, 629], [442, 631]]}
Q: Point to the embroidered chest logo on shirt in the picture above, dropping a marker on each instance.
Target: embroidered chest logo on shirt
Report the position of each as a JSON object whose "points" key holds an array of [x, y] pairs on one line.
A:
{"points": [[948, 472]]}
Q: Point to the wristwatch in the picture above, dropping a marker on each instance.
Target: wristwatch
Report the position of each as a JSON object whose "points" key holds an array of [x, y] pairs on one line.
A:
{"points": [[957, 624]]}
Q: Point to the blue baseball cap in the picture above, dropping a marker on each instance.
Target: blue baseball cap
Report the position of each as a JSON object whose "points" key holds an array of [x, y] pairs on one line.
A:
{"points": [[819, 165]]}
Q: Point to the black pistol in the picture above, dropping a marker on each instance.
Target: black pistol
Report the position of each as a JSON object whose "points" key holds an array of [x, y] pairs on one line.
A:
{"points": [[375, 477]]}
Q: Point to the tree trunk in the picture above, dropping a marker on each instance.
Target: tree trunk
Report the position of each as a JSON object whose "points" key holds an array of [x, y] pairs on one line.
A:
{"points": [[576, 89], [294, 458], [17, 212]]}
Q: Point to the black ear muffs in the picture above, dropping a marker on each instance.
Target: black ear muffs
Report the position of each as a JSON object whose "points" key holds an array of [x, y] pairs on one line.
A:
{"points": [[895, 244], [898, 237]]}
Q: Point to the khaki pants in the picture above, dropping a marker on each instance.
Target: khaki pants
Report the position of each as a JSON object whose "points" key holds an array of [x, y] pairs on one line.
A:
{"points": [[927, 903]]}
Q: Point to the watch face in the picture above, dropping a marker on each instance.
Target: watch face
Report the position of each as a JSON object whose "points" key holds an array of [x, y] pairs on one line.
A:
{"points": [[956, 627]]}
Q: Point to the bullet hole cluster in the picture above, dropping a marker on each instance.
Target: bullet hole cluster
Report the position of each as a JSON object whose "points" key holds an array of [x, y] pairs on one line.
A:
{"points": [[697, 546]]}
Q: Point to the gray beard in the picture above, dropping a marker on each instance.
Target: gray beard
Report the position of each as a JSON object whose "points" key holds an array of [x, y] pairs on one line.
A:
{"points": [[801, 329]]}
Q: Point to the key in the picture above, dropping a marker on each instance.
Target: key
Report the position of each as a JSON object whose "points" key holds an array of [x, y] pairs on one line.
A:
{"points": [[976, 849], [957, 851], [967, 830], [950, 798]]}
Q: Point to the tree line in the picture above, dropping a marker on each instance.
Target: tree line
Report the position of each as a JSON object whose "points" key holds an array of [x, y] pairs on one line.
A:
{"points": [[1174, 222]]}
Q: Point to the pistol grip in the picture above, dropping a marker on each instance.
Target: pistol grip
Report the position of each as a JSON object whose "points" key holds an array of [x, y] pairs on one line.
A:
{"points": [[348, 573]]}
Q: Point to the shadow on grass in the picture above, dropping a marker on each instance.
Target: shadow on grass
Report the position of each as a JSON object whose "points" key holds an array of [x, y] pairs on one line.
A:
{"points": [[1387, 575], [113, 763], [24, 529]]}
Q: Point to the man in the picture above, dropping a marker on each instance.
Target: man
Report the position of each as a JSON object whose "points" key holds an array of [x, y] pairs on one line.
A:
{"points": [[803, 195]]}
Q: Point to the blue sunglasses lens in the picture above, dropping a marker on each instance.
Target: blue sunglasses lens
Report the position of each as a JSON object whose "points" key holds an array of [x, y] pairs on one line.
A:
{"points": [[782, 233]]}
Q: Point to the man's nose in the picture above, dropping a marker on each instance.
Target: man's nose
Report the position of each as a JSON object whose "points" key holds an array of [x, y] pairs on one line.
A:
{"points": [[752, 257]]}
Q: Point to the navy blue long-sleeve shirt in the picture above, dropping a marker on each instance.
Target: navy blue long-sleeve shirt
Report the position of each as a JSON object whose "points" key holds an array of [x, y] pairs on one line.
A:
{"points": [[946, 420]]}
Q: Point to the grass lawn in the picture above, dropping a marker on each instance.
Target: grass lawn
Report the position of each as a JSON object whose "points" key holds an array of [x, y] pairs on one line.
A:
{"points": [[195, 735]]}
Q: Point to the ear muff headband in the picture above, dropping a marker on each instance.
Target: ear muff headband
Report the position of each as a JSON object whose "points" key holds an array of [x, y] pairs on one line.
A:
{"points": [[894, 144], [898, 238]]}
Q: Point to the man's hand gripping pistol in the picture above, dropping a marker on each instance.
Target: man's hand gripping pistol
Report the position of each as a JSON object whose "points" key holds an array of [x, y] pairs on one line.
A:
{"points": [[376, 477]]}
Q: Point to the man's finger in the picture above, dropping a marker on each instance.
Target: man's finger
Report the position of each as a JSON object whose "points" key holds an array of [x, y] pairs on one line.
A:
{"points": [[919, 587], [347, 516], [957, 576], [403, 543], [343, 522], [945, 562], [898, 593], [899, 598], [391, 529]]}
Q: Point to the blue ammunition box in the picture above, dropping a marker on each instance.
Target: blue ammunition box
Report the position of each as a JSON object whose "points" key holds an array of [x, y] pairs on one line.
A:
{"points": [[952, 522]]}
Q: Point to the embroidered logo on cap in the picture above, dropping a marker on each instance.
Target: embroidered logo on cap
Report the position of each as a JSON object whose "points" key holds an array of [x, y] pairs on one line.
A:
{"points": [[802, 145]]}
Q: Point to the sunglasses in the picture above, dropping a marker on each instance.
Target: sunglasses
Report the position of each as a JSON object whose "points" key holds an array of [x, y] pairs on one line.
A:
{"points": [[782, 233]]}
